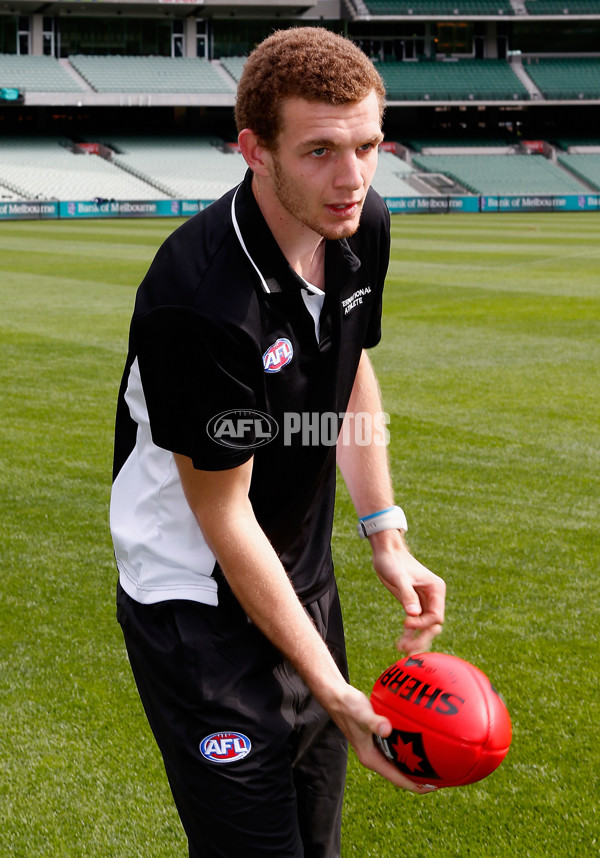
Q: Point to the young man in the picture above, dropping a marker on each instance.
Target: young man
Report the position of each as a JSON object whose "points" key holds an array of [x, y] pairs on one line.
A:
{"points": [[247, 339]]}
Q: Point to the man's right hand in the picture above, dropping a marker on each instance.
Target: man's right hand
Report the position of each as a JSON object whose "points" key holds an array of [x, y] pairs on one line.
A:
{"points": [[359, 722]]}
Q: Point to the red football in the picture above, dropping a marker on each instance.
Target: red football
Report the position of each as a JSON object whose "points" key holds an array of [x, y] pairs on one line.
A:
{"points": [[449, 725]]}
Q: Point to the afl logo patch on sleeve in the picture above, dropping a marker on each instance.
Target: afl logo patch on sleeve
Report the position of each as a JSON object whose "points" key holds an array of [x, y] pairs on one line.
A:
{"points": [[225, 747], [278, 355]]}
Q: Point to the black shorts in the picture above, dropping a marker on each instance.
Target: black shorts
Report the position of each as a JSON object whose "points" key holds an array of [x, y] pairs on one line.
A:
{"points": [[255, 765]]}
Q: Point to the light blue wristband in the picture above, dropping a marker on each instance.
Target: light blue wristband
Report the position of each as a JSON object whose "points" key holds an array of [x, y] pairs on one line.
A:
{"points": [[392, 518]]}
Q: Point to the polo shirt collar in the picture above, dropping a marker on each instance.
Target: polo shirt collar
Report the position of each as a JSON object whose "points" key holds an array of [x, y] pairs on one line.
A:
{"points": [[263, 252]]}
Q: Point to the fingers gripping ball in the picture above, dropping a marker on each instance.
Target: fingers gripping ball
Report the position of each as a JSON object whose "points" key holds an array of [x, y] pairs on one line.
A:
{"points": [[450, 727]]}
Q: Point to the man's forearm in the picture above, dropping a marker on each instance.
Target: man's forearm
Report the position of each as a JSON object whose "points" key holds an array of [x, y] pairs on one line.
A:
{"points": [[256, 575], [365, 468], [367, 475], [262, 587]]}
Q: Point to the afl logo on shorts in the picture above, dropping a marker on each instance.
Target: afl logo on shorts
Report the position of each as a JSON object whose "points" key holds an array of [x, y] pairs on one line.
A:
{"points": [[278, 355], [225, 747]]}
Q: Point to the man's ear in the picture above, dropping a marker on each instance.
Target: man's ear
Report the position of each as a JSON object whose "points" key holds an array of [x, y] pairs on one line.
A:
{"points": [[256, 156]]}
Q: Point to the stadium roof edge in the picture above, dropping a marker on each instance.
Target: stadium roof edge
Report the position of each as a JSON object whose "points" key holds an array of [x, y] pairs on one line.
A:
{"points": [[484, 17], [253, 8], [129, 99], [200, 9], [514, 104], [174, 99]]}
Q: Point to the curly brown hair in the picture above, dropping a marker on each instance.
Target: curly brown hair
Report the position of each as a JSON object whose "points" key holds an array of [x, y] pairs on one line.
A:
{"points": [[303, 62]]}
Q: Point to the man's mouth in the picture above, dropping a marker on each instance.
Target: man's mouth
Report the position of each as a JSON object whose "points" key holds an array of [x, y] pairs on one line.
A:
{"points": [[343, 209]]}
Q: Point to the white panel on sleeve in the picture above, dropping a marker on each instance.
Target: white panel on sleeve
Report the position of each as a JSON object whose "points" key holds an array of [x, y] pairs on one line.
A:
{"points": [[159, 547]]}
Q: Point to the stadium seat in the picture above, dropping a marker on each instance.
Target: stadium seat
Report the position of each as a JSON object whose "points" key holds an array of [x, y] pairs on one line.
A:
{"points": [[464, 80], [437, 146], [562, 7], [234, 66], [502, 174], [45, 169], [150, 74], [390, 177], [35, 74], [143, 168], [439, 7], [587, 167], [184, 167], [199, 168], [565, 77]]}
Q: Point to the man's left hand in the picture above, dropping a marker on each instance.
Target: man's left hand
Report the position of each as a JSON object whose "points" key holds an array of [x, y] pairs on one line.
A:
{"points": [[421, 592]]}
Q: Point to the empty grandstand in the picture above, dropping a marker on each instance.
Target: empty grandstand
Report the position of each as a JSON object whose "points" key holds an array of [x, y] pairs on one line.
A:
{"points": [[35, 74], [503, 174], [186, 168], [433, 8], [463, 146], [150, 74], [585, 166], [562, 7], [149, 167], [46, 169], [233, 66], [452, 80], [564, 78], [395, 177]]}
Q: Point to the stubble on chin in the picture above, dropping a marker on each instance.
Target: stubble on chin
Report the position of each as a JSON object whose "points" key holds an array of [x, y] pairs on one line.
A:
{"points": [[293, 203]]}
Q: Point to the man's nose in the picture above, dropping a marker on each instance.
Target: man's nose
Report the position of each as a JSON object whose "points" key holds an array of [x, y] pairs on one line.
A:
{"points": [[349, 175]]}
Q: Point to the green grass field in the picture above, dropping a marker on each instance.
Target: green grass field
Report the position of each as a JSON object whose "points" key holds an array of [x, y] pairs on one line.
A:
{"points": [[490, 371]]}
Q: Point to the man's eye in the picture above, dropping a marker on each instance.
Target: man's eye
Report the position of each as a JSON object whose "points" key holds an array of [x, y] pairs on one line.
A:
{"points": [[365, 147], [319, 152]]}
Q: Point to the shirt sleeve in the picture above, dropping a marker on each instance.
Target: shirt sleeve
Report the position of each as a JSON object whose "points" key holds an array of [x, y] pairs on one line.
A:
{"points": [[193, 369], [379, 256]]}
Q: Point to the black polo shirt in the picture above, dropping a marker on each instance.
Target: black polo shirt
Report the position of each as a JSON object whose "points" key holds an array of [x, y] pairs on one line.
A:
{"points": [[221, 330]]}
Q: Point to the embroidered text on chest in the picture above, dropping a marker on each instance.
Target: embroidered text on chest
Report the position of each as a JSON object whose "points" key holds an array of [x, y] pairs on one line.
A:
{"points": [[354, 300]]}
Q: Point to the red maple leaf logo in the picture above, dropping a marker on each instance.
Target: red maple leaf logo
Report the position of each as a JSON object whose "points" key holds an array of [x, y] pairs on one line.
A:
{"points": [[406, 756]]}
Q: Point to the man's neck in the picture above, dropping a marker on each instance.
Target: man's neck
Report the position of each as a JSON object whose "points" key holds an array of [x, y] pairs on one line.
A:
{"points": [[303, 248], [311, 266]]}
